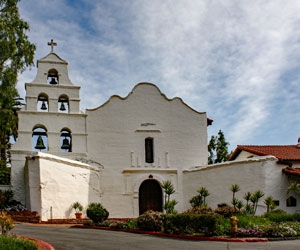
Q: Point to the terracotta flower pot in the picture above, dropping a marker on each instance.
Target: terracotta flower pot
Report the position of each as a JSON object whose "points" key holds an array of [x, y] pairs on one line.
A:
{"points": [[78, 215]]}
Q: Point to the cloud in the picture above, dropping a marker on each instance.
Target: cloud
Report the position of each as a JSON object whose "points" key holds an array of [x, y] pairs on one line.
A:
{"points": [[233, 59]]}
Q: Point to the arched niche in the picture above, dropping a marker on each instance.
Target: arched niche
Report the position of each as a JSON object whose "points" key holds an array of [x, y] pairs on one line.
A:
{"points": [[43, 103], [66, 140], [63, 104], [52, 77], [39, 138]]}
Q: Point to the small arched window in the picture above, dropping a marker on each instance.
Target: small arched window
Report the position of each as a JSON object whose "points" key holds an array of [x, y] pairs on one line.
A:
{"points": [[149, 154], [43, 103], [39, 139], [53, 76], [291, 202], [63, 104], [65, 140]]}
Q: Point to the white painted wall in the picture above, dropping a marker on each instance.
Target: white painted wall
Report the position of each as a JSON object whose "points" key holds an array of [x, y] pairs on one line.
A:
{"points": [[55, 183], [116, 138], [261, 173]]}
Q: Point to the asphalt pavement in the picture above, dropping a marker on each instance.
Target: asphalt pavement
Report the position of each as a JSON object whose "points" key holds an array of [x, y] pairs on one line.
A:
{"points": [[66, 238]]}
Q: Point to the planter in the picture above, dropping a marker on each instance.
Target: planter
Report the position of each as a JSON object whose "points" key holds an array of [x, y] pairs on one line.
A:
{"points": [[78, 215]]}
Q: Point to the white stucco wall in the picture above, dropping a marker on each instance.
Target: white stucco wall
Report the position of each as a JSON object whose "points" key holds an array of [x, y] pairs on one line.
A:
{"points": [[116, 138], [261, 173], [55, 183]]}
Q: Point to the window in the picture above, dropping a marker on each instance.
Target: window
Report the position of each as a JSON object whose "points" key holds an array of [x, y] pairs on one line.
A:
{"points": [[276, 202], [65, 140], [53, 77], [291, 202], [63, 104], [39, 139], [42, 103], [149, 150]]}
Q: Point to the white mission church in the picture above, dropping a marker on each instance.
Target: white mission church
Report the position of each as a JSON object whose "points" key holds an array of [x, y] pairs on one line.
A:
{"points": [[120, 152]]}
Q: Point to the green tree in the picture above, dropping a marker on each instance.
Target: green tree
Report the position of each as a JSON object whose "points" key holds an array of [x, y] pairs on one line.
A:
{"points": [[255, 197], [218, 149], [234, 189], [269, 202], [16, 53], [169, 205]]}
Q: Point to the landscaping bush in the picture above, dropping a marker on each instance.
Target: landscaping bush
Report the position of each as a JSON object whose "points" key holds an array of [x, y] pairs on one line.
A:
{"points": [[246, 221], [8, 203], [150, 221], [4, 175], [97, 213], [133, 224], [282, 217], [13, 242], [200, 210], [226, 211], [190, 223]]}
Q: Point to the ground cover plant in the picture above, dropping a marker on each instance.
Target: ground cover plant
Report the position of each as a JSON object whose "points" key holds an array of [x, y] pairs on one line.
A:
{"points": [[202, 220], [16, 243]]}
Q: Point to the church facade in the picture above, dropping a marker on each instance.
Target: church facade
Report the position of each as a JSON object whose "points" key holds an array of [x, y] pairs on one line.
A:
{"points": [[118, 153]]}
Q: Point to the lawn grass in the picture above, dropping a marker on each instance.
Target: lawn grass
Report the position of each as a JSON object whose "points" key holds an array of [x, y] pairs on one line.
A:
{"points": [[15, 243]]}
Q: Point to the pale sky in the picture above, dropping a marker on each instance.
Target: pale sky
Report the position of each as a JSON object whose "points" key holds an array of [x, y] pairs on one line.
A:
{"points": [[237, 60]]}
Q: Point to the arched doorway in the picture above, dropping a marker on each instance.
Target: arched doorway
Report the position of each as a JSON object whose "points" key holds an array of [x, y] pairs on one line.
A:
{"points": [[150, 196]]}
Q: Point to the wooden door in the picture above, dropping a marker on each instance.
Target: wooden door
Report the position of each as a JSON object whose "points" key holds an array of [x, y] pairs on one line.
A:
{"points": [[150, 196]]}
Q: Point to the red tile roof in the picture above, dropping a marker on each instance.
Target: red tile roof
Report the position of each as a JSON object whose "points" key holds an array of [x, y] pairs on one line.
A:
{"points": [[281, 152], [292, 171]]}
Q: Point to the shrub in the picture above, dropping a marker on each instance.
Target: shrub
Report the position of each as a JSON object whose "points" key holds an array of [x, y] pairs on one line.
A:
{"points": [[199, 210], [88, 223], [150, 221], [13, 242], [226, 211], [223, 204], [8, 203], [190, 223], [4, 175], [282, 217], [133, 224], [97, 213], [6, 223], [169, 207]]}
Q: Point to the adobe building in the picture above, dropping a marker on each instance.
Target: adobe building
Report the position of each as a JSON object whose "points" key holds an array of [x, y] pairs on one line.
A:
{"points": [[120, 152]]}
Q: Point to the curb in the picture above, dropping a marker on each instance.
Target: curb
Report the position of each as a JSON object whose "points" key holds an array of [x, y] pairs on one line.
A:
{"points": [[40, 244], [187, 237]]}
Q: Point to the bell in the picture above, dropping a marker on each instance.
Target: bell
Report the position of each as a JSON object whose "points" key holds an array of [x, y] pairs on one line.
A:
{"points": [[53, 81], [40, 143], [62, 107], [43, 107], [66, 144]]}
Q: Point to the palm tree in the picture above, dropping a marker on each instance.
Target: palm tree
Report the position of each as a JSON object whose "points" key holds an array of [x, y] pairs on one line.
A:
{"points": [[247, 197], [234, 189], [255, 199], [203, 194], [239, 205], [168, 188], [269, 203]]}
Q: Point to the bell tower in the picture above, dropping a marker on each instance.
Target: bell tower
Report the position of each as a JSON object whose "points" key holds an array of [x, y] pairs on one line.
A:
{"points": [[51, 120]]}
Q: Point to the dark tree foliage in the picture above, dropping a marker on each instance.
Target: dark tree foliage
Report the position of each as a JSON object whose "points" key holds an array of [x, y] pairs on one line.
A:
{"points": [[218, 149], [16, 53]]}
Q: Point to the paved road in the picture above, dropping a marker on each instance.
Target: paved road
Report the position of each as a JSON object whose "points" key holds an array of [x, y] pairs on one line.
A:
{"points": [[64, 238]]}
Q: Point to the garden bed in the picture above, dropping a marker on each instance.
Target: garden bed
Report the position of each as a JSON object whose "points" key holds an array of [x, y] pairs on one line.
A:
{"points": [[187, 237]]}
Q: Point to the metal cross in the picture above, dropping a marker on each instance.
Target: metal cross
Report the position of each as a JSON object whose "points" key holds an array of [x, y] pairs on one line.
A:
{"points": [[52, 44]]}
